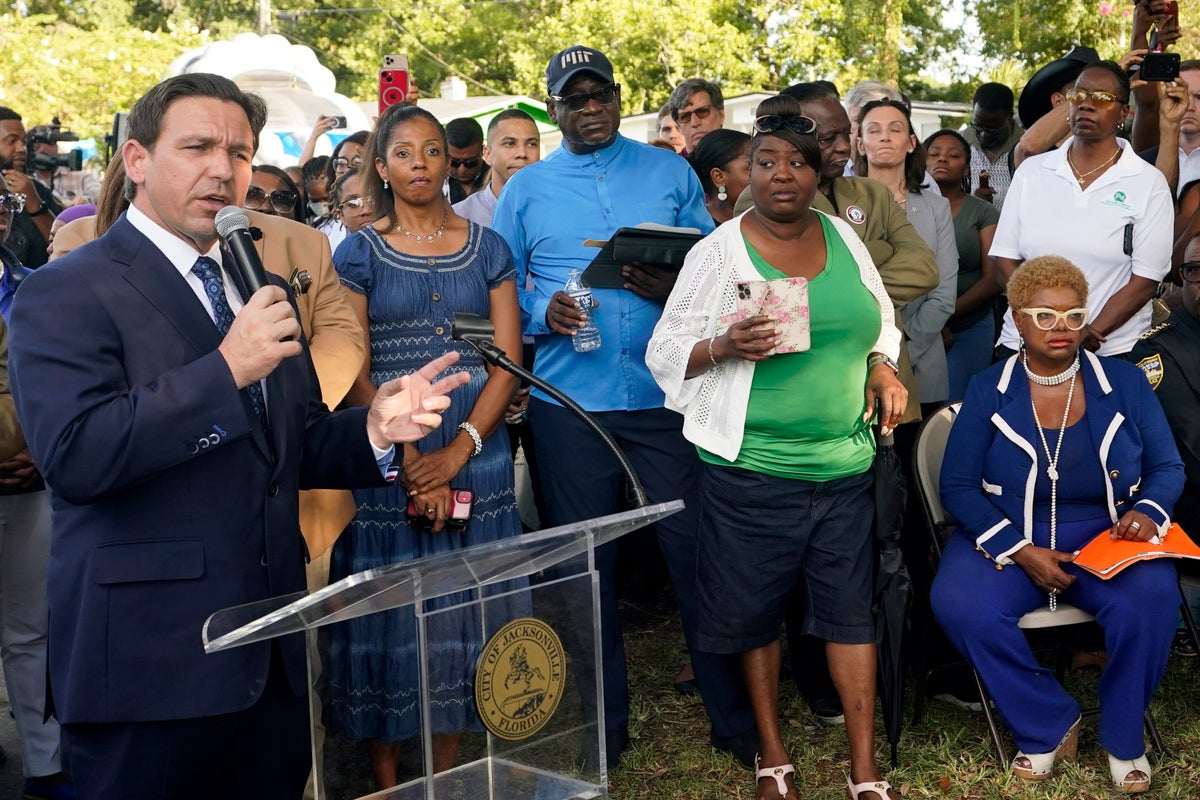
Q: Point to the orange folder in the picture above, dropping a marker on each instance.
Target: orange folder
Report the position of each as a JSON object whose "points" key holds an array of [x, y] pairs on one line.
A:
{"points": [[1105, 557]]}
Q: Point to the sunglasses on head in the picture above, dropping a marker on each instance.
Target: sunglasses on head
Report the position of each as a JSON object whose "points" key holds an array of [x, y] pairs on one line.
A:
{"points": [[12, 201], [793, 122], [282, 200], [1047, 318], [702, 112], [1077, 95], [1189, 271], [342, 164], [605, 96], [469, 163]]}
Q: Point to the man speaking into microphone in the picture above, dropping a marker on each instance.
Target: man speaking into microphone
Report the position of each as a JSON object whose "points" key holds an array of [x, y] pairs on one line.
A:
{"points": [[174, 422]]}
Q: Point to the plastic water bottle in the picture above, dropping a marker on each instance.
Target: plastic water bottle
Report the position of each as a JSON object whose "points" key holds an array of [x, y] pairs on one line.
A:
{"points": [[586, 338]]}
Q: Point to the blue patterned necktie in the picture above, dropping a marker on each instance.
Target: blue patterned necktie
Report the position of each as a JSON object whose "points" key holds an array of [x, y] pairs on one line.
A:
{"points": [[209, 274]]}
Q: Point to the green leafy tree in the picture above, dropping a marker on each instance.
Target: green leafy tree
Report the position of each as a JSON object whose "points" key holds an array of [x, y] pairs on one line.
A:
{"points": [[87, 58], [1038, 31], [51, 67]]}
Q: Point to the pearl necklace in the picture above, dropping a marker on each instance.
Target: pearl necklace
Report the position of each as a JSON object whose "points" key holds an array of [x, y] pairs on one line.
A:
{"points": [[1082, 177], [1052, 468], [420, 237], [1050, 380]]}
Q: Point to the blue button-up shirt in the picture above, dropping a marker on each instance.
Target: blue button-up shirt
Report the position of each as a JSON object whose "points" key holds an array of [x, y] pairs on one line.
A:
{"points": [[545, 213]]}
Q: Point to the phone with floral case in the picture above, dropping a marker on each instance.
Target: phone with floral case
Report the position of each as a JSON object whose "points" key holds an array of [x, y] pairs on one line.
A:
{"points": [[783, 299]]}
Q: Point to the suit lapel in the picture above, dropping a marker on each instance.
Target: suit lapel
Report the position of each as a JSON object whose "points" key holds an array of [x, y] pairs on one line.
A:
{"points": [[1102, 403], [156, 279]]}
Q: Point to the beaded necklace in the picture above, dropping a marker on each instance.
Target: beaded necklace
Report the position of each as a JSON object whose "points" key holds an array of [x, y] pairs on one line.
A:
{"points": [[1050, 380], [1052, 460]]}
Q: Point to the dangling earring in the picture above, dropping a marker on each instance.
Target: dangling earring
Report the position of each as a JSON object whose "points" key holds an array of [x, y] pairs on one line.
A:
{"points": [[722, 195], [385, 183]]}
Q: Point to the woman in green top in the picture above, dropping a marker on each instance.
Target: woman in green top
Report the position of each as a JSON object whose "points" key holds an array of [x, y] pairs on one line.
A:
{"points": [[970, 335], [785, 437]]}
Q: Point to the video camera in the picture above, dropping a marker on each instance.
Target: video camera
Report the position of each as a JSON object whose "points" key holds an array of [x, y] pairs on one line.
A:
{"points": [[48, 162]]}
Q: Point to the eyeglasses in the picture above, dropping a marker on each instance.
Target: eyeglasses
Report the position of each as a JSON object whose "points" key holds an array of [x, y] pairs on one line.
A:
{"points": [[341, 165], [794, 122], [1189, 271], [353, 203], [1077, 95], [282, 200], [13, 201], [469, 163], [1047, 319], [701, 112], [605, 96]]}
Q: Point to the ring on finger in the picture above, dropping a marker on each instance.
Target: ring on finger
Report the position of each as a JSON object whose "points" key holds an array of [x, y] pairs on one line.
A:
{"points": [[1137, 526]]}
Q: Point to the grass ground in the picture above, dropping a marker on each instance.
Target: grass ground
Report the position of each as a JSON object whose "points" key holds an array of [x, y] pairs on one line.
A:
{"points": [[947, 756]]}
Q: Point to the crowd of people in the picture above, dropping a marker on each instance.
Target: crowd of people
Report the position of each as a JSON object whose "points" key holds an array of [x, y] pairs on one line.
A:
{"points": [[171, 451]]}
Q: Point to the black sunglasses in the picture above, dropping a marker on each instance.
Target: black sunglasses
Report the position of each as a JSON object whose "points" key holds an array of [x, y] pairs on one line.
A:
{"points": [[793, 122], [605, 96], [282, 200], [1189, 271], [469, 163]]}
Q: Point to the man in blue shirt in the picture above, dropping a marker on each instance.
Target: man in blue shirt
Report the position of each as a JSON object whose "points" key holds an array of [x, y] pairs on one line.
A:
{"points": [[596, 182]]}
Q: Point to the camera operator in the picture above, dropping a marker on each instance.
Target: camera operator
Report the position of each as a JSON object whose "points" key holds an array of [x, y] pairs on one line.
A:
{"points": [[62, 173], [31, 226]]}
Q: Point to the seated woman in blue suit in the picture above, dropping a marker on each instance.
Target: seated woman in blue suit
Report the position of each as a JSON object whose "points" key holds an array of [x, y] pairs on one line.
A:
{"points": [[1051, 447]]}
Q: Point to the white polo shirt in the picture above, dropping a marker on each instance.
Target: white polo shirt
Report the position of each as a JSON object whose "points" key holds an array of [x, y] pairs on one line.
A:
{"points": [[1046, 213]]}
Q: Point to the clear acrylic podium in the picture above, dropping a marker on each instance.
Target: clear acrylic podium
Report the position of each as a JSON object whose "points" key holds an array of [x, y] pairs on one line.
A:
{"points": [[535, 727]]}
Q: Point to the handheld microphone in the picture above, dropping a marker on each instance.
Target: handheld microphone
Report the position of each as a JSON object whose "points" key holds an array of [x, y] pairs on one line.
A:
{"points": [[233, 226]]}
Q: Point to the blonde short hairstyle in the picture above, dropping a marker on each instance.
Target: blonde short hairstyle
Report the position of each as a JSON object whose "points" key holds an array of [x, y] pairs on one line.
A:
{"points": [[1045, 272]]}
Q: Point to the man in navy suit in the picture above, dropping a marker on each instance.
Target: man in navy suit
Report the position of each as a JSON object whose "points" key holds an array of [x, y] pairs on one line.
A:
{"points": [[174, 453]]}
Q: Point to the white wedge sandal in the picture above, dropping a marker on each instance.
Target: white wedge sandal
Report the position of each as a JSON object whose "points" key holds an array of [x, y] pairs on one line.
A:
{"points": [[1125, 776]]}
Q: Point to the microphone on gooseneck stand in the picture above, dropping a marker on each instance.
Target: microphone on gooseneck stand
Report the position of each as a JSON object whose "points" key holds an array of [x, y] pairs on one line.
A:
{"points": [[233, 226], [478, 331]]}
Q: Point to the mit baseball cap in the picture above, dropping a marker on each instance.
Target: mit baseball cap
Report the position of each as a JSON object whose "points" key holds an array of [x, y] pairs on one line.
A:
{"points": [[568, 63]]}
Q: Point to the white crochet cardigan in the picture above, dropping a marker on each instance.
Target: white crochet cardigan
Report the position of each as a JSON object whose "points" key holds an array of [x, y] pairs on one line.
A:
{"points": [[714, 403]]}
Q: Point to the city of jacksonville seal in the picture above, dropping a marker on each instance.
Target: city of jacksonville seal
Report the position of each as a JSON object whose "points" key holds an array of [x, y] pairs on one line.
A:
{"points": [[520, 678]]}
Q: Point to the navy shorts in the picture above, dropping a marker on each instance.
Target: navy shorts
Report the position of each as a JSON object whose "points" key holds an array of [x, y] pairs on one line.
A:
{"points": [[759, 534]]}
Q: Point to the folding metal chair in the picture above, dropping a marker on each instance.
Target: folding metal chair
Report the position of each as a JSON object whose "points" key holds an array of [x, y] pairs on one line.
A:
{"points": [[1189, 580]]}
